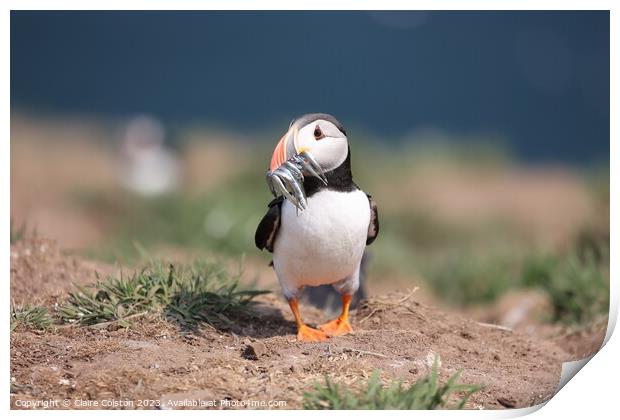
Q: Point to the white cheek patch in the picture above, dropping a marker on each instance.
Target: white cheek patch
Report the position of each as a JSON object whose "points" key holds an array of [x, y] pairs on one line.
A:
{"points": [[330, 152]]}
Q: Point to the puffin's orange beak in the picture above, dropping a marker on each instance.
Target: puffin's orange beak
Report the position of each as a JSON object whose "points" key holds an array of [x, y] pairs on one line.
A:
{"points": [[285, 149], [288, 166], [279, 154]]}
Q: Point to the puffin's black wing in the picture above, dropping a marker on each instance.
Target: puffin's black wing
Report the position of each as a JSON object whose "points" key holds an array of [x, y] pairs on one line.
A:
{"points": [[373, 227], [268, 227]]}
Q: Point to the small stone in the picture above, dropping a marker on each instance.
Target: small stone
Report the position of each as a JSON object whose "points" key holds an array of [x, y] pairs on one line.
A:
{"points": [[507, 402], [467, 335], [430, 359], [254, 351]]}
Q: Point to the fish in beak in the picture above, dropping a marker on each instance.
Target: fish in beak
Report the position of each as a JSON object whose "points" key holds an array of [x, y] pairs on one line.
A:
{"points": [[289, 165]]}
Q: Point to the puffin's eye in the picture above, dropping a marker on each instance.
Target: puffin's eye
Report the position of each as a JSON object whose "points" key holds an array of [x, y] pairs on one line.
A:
{"points": [[318, 134]]}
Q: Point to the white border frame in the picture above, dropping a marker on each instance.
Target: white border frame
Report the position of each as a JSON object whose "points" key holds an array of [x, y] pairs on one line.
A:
{"points": [[593, 393]]}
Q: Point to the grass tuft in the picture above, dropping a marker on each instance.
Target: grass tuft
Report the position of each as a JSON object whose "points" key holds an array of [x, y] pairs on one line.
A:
{"points": [[426, 394], [30, 317], [462, 278], [17, 233], [201, 292], [576, 285], [208, 294]]}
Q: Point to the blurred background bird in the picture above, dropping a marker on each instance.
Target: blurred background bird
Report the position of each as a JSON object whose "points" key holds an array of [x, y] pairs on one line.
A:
{"points": [[149, 167]]}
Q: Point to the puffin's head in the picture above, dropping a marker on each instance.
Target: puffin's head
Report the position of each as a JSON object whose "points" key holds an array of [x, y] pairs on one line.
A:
{"points": [[320, 135]]}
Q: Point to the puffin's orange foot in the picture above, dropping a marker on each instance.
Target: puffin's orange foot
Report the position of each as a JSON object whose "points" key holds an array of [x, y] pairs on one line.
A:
{"points": [[336, 327], [310, 335]]}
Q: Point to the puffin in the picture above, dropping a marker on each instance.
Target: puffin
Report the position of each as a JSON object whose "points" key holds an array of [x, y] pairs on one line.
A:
{"points": [[320, 221]]}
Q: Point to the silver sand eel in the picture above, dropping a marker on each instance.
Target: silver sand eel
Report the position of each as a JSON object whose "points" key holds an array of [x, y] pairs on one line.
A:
{"points": [[288, 178]]}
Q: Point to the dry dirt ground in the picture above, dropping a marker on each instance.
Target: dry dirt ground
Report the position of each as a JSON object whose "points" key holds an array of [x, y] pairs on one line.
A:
{"points": [[156, 363]]}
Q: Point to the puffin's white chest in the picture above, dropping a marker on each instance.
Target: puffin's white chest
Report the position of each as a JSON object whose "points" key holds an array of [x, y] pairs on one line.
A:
{"points": [[324, 243]]}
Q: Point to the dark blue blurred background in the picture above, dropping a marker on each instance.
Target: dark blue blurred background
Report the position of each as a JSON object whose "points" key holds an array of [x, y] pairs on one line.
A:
{"points": [[538, 79]]}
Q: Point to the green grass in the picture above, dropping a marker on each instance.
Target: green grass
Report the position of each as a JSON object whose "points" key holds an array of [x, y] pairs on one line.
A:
{"points": [[425, 394], [223, 220], [201, 292], [30, 317], [576, 282], [17, 233], [462, 278], [577, 285]]}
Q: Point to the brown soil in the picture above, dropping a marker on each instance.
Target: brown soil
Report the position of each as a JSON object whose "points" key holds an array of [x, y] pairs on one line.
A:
{"points": [[41, 274], [156, 360], [582, 343]]}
